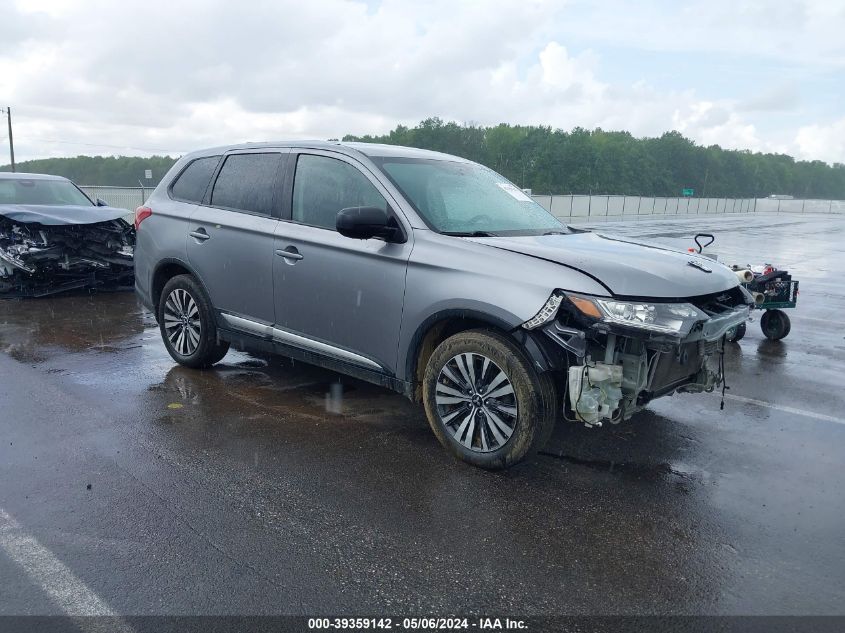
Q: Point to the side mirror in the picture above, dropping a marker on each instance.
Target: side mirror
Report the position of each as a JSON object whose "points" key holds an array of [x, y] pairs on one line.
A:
{"points": [[101, 203], [363, 223]]}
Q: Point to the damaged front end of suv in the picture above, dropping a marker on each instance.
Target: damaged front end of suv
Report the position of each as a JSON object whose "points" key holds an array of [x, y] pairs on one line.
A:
{"points": [[621, 353]]}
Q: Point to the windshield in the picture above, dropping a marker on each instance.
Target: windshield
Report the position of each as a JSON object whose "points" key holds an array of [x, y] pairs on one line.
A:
{"points": [[37, 191], [467, 199]]}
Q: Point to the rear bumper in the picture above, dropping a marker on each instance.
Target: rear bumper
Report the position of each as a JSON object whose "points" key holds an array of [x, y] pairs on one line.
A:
{"points": [[142, 290]]}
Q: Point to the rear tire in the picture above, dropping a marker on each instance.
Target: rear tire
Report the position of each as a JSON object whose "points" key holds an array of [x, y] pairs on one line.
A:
{"points": [[187, 325], [775, 324], [485, 402]]}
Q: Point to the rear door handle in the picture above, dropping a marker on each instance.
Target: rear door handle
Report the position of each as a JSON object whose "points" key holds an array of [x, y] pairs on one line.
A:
{"points": [[199, 234], [289, 254]]}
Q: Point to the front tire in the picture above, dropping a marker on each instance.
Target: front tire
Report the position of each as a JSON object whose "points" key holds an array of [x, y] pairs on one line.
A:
{"points": [[485, 402], [187, 326], [736, 333]]}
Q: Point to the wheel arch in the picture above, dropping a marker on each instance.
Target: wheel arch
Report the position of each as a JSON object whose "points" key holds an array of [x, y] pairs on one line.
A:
{"points": [[164, 271], [445, 323]]}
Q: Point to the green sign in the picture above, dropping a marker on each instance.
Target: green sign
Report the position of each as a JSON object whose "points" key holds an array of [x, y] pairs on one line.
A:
{"points": [[688, 192]]}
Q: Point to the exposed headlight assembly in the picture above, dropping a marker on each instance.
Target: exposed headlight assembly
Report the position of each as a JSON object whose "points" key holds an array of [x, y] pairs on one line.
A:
{"points": [[546, 313], [666, 318]]}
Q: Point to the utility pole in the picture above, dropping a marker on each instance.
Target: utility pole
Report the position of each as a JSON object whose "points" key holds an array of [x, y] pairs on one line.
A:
{"points": [[11, 140]]}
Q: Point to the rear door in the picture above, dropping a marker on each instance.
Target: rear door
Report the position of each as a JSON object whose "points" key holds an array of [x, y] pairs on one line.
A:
{"points": [[339, 296], [230, 236]]}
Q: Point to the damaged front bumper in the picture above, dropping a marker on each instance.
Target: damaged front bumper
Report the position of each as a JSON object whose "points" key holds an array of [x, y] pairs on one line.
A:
{"points": [[42, 259], [613, 369]]}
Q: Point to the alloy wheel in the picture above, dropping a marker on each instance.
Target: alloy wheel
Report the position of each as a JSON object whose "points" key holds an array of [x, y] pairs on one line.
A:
{"points": [[182, 323], [476, 402]]}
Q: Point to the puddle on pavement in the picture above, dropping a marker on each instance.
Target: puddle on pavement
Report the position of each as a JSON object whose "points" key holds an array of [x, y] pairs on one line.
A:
{"points": [[648, 472]]}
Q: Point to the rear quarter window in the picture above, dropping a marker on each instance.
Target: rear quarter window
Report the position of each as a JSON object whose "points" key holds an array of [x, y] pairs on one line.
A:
{"points": [[191, 184]]}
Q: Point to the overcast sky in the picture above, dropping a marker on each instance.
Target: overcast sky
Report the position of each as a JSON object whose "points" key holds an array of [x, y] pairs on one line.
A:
{"points": [[125, 77]]}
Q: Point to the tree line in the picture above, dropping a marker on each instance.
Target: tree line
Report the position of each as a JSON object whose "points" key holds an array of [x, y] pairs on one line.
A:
{"points": [[116, 171], [548, 160]]}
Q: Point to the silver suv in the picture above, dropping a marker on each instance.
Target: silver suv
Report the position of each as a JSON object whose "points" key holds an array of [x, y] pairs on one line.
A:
{"points": [[430, 275]]}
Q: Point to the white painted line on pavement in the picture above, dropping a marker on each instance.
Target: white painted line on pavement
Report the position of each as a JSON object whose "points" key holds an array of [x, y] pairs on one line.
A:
{"points": [[785, 409], [69, 593]]}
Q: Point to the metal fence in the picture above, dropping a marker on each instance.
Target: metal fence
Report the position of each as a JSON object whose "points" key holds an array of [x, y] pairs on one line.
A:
{"points": [[574, 207], [128, 198], [609, 208]]}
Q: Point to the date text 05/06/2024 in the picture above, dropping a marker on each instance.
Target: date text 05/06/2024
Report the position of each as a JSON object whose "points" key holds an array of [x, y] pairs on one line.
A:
{"points": [[418, 624]]}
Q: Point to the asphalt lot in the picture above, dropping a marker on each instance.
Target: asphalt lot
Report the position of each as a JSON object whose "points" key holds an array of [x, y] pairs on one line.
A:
{"points": [[130, 485]]}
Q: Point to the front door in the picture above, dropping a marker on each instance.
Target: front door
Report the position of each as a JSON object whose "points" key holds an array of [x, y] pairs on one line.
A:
{"points": [[339, 296]]}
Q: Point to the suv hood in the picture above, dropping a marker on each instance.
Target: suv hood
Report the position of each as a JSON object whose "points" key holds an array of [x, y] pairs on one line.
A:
{"points": [[59, 214], [627, 268]]}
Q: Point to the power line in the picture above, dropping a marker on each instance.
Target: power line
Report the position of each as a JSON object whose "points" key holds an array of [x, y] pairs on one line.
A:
{"points": [[7, 111]]}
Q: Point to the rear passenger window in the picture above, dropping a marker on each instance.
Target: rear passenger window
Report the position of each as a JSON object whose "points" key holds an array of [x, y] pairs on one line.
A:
{"points": [[323, 186], [247, 182], [191, 184]]}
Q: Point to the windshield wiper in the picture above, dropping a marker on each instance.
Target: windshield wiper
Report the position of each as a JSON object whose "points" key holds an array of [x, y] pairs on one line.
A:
{"points": [[555, 233], [469, 233]]}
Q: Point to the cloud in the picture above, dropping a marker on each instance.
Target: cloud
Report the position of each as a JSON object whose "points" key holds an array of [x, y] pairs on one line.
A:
{"points": [[792, 32], [822, 142], [15, 27], [137, 77], [783, 97], [713, 124]]}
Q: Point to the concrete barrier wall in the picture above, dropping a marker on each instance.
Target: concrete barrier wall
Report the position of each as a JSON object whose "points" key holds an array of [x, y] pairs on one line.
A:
{"points": [[800, 206], [545, 202], [632, 207], [561, 206], [615, 205]]}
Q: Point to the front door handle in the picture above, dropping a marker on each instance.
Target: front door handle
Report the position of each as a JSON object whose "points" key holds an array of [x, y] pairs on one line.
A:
{"points": [[289, 253], [200, 235]]}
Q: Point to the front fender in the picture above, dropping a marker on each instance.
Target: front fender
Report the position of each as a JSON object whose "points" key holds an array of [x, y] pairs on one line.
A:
{"points": [[454, 276], [410, 339]]}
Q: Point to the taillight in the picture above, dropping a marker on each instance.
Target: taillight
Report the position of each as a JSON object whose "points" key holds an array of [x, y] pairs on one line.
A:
{"points": [[141, 214]]}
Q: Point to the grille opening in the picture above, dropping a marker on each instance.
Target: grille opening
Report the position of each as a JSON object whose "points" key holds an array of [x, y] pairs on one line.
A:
{"points": [[719, 302]]}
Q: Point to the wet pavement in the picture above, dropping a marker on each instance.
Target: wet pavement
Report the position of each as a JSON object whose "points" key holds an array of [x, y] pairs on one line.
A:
{"points": [[155, 489]]}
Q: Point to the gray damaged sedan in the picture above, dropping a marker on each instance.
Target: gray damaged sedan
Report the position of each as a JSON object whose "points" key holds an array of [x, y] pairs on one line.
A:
{"points": [[53, 238], [433, 276]]}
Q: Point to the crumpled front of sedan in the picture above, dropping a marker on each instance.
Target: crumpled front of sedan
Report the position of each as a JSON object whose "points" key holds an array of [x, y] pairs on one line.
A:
{"points": [[622, 353], [42, 259]]}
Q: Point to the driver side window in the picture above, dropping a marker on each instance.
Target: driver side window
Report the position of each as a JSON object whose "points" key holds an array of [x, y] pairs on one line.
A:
{"points": [[323, 186]]}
